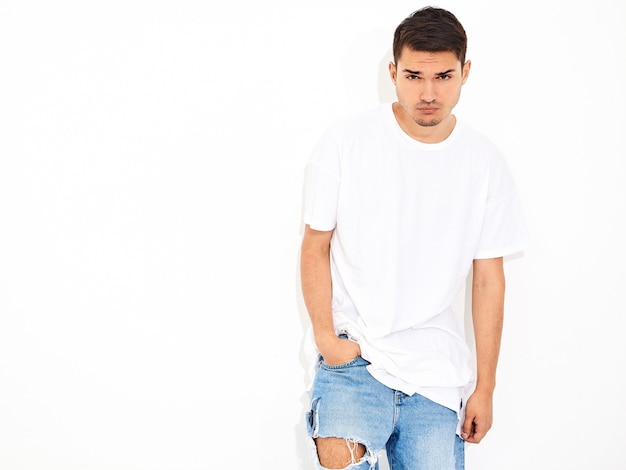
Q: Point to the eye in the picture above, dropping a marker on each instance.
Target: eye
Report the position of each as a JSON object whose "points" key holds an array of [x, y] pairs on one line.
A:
{"points": [[412, 77], [445, 76]]}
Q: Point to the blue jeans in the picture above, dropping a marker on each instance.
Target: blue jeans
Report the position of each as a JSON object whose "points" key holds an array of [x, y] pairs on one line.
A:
{"points": [[417, 433]]}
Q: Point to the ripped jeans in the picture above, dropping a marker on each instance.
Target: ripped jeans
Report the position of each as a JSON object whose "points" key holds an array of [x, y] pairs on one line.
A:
{"points": [[417, 433]]}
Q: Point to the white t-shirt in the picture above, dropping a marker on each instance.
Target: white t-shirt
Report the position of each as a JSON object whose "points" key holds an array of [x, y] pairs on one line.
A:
{"points": [[408, 219]]}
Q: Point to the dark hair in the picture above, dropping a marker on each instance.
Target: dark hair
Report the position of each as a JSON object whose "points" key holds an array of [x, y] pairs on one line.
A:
{"points": [[433, 30]]}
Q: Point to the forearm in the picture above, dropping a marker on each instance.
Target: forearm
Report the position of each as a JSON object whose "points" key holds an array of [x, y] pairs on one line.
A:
{"points": [[317, 292], [487, 312], [316, 285]]}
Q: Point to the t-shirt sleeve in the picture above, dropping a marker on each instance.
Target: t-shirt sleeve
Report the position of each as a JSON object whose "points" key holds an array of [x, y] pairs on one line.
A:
{"points": [[504, 231], [321, 187]]}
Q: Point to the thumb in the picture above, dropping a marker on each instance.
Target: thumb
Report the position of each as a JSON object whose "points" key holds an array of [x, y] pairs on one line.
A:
{"points": [[467, 430]]}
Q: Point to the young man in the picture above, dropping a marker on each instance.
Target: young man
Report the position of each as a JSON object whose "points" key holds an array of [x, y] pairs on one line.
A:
{"points": [[401, 202]]}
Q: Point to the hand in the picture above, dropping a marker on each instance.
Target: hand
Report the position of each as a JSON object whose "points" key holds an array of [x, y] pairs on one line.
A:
{"points": [[478, 416], [337, 351]]}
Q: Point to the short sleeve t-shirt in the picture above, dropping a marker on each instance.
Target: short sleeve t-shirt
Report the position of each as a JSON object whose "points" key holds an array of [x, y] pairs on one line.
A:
{"points": [[408, 219]]}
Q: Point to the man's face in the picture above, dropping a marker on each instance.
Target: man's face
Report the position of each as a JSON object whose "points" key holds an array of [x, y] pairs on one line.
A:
{"points": [[428, 85]]}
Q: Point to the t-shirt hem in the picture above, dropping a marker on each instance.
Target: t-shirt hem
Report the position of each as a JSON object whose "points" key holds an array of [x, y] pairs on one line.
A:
{"points": [[322, 227]]}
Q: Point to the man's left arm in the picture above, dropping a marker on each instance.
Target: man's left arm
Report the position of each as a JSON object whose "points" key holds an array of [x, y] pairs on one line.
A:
{"points": [[487, 313]]}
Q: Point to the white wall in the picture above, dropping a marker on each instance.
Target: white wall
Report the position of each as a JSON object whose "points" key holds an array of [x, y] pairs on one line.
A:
{"points": [[151, 162]]}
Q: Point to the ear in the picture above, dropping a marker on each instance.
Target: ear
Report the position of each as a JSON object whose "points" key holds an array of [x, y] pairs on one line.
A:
{"points": [[466, 70], [393, 72]]}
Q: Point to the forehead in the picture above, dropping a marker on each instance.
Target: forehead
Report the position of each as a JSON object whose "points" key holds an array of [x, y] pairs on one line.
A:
{"points": [[410, 58]]}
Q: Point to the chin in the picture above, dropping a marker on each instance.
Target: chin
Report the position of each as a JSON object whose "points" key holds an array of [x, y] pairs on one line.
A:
{"points": [[430, 123]]}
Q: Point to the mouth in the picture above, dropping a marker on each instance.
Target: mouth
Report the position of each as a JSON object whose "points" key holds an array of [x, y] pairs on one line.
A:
{"points": [[427, 110]]}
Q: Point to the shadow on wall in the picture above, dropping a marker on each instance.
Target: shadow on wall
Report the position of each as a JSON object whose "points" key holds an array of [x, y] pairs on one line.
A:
{"points": [[302, 442], [365, 70], [386, 90]]}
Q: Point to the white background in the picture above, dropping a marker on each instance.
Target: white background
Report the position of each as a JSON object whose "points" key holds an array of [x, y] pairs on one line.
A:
{"points": [[151, 164]]}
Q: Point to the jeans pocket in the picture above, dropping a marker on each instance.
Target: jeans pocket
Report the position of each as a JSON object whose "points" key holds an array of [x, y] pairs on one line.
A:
{"points": [[357, 361]]}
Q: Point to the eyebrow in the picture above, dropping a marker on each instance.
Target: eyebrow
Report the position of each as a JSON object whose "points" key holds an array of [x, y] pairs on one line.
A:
{"points": [[417, 72]]}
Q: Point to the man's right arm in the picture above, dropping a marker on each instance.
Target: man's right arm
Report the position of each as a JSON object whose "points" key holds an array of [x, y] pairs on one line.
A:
{"points": [[317, 293]]}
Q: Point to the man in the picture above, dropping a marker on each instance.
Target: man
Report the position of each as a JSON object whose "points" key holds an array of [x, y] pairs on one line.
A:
{"points": [[401, 203]]}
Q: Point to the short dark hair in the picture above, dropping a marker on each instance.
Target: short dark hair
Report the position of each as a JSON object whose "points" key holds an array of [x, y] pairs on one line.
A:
{"points": [[430, 29]]}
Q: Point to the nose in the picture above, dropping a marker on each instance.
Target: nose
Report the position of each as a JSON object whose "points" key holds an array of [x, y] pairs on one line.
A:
{"points": [[428, 94]]}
